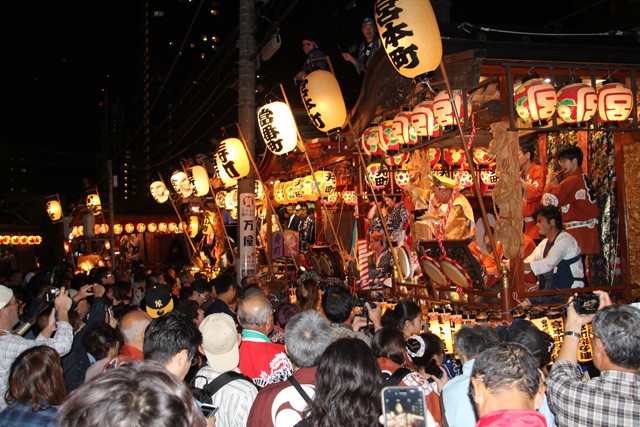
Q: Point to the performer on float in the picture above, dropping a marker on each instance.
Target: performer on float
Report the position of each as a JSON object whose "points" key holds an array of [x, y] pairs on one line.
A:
{"points": [[397, 220], [532, 180], [556, 260], [373, 220], [380, 257], [460, 223], [575, 198]]}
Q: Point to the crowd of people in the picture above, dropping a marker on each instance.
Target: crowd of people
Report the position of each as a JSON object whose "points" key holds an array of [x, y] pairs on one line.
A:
{"points": [[152, 349]]}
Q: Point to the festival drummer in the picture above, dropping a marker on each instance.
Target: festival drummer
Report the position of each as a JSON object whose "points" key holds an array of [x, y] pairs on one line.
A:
{"points": [[380, 257], [460, 221]]}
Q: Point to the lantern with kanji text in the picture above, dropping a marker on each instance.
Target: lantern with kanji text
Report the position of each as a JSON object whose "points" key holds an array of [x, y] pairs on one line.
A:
{"points": [[377, 176], [232, 159], [577, 103], [615, 102], [423, 118], [535, 101], [322, 98], [277, 127]]}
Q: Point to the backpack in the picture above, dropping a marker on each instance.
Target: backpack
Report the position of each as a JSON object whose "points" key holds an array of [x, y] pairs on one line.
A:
{"points": [[205, 393], [396, 377]]}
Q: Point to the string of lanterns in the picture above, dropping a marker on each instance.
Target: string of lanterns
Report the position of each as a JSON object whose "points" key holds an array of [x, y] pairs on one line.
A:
{"points": [[17, 239]]}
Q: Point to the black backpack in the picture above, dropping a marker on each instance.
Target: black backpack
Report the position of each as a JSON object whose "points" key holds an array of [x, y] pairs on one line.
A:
{"points": [[398, 375], [205, 393]]}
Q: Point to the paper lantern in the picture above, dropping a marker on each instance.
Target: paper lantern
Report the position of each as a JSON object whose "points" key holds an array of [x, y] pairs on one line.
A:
{"points": [[326, 182], [443, 109], [233, 213], [38, 240], [54, 210], [199, 180], [232, 159], [15, 240], [289, 192], [96, 229], [31, 240], [349, 198], [535, 101], [226, 180], [322, 98], [398, 160], [141, 227], [434, 156], [297, 189], [403, 128], [117, 229], [129, 228], [162, 227], [454, 156], [556, 330], [231, 199], [585, 350], [401, 177], [93, 204], [423, 119], [482, 156], [389, 138], [277, 127], [258, 191], [577, 103], [172, 227], [372, 142], [309, 189], [159, 191], [410, 36], [488, 177], [192, 228], [615, 102], [208, 219], [104, 228], [23, 240], [152, 227], [378, 176], [278, 192], [332, 199], [220, 199], [180, 183], [6, 240], [466, 180]]}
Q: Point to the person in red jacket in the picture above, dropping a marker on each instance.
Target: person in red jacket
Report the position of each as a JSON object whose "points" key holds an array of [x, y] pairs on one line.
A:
{"points": [[532, 180], [575, 198]]}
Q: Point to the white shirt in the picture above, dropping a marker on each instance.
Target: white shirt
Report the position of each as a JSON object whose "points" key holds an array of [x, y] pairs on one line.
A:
{"points": [[564, 247]]}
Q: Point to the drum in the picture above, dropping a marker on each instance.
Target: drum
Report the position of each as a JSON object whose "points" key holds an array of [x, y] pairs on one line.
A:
{"points": [[314, 262], [455, 273], [432, 269], [404, 261], [329, 262]]}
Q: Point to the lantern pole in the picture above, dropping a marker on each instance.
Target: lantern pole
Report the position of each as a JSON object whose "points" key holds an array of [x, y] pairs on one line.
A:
{"points": [[186, 236], [504, 294], [255, 168], [112, 239], [322, 201]]}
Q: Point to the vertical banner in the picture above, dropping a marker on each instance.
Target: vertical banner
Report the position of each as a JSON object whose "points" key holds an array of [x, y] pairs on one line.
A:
{"points": [[247, 234]]}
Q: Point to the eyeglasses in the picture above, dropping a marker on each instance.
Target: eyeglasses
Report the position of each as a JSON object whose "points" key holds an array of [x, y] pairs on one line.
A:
{"points": [[203, 296]]}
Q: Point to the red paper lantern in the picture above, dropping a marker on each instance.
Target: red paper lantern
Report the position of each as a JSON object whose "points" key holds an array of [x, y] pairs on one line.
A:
{"points": [[454, 156], [535, 101], [434, 156], [482, 156], [389, 138], [378, 176], [577, 103], [398, 160], [403, 128], [372, 142], [444, 110], [615, 102], [423, 118]]}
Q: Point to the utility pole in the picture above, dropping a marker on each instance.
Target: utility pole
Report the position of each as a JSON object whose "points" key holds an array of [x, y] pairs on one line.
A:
{"points": [[246, 260], [111, 214]]}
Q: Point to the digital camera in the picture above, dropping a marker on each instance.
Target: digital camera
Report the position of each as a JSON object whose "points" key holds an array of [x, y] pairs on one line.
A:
{"points": [[52, 293], [586, 303]]}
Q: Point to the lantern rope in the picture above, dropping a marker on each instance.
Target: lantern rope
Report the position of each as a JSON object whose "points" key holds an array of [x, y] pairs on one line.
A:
{"points": [[466, 26]]}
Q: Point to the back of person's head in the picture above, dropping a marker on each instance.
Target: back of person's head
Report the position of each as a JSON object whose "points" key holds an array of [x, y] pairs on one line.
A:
{"points": [[200, 286], [549, 212], [422, 348], [168, 335], [507, 367], [307, 295], [570, 152], [36, 379], [307, 335], [122, 291], [132, 325], [252, 290], [404, 311], [528, 148], [470, 340], [139, 276], [284, 312], [137, 394], [39, 283], [348, 385], [189, 308], [186, 278], [255, 310], [539, 343], [618, 328], [99, 339], [224, 283], [388, 342], [337, 304]]}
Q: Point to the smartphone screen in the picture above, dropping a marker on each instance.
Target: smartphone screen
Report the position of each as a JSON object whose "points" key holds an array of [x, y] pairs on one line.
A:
{"points": [[403, 406], [208, 410]]}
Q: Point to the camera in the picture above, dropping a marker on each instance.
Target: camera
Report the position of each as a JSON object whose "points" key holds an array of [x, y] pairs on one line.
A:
{"points": [[359, 307], [52, 293], [586, 303]]}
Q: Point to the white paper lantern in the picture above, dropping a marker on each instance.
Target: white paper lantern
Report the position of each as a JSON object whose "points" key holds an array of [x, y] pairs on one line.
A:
{"points": [[322, 98], [159, 191], [277, 127], [199, 180], [180, 183], [232, 159]]}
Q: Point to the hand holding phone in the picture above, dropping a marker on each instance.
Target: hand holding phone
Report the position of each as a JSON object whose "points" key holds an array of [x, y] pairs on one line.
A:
{"points": [[403, 406]]}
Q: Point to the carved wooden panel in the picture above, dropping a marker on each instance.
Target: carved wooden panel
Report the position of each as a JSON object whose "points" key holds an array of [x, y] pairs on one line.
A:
{"points": [[632, 193]]}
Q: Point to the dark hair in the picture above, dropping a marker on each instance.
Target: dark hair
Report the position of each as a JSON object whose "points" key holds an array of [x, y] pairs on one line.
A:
{"points": [[388, 342], [354, 400], [122, 291], [223, 283], [307, 295], [311, 211], [539, 343], [618, 327], [550, 212], [395, 197], [337, 304], [99, 339], [135, 394], [570, 152], [167, 335], [36, 379], [189, 308], [505, 365], [200, 286], [405, 310], [433, 347], [527, 147], [470, 340], [283, 312]]}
